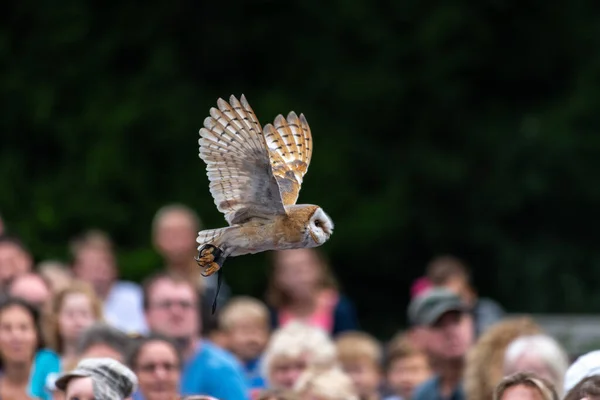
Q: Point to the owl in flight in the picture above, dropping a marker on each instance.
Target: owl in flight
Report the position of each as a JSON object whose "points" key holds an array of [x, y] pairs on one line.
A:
{"points": [[255, 176]]}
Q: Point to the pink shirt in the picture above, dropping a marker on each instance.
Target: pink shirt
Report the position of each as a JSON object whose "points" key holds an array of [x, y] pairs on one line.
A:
{"points": [[322, 317]]}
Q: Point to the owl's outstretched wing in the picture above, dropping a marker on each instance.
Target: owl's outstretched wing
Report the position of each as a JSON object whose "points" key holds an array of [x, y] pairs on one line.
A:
{"points": [[238, 163], [290, 148]]}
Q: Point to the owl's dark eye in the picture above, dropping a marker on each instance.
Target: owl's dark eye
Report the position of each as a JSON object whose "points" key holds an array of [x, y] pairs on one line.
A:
{"points": [[318, 223]]}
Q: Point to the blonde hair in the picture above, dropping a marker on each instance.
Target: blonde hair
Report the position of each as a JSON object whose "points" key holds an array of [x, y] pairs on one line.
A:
{"points": [[332, 384], [401, 347], [243, 308], [56, 273], [54, 338], [357, 346], [297, 339], [528, 379]]}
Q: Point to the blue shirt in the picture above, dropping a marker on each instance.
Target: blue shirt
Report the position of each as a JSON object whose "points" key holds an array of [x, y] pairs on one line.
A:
{"points": [[129, 319], [430, 390], [253, 374], [46, 367], [213, 372]]}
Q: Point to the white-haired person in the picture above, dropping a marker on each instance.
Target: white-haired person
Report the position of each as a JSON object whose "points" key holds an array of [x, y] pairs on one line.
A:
{"points": [[293, 349], [329, 384], [540, 354], [98, 379]]}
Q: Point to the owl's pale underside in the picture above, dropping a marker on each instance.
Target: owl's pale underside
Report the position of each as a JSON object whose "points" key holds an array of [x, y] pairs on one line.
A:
{"points": [[255, 176]]}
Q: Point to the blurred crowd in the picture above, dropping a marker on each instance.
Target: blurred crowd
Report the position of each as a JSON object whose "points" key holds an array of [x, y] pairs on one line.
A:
{"points": [[77, 319]]}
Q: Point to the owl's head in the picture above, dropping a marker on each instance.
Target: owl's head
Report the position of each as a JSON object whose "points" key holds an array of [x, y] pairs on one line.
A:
{"points": [[320, 227]]}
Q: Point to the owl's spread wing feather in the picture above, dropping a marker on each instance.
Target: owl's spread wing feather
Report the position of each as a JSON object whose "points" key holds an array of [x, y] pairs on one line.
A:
{"points": [[290, 149], [238, 163]]}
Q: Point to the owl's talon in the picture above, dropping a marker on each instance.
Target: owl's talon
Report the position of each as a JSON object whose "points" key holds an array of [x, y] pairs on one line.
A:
{"points": [[210, 259]]}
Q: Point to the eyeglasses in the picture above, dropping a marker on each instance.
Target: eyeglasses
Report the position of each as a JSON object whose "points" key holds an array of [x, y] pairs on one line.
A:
{"points": [[151, 367], [167, 304]]}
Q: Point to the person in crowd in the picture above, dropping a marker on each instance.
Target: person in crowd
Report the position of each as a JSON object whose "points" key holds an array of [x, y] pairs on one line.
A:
{"points": [[450, 272], [525, 386], [361, 358], [277, 394], [407, 367], [584, 367], [98, 378], [540, 354], [302, 287], [174, 230], [328, 384], [98, 341], [15, 259], [56, 273], [485, 361], [587, 389], [450, 334], [32, 288], [94, 262], [171, 307], [246, 325], [74, 309], [157, 363], [294, 348], [24, 362]]}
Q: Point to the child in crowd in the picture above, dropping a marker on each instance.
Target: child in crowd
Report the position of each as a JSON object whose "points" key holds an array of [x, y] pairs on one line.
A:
{"points": [[407, 367], [360, 356], [245, 324]]}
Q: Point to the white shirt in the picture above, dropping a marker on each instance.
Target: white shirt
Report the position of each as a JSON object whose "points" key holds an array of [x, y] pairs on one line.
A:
{"points": [[123, 308]]}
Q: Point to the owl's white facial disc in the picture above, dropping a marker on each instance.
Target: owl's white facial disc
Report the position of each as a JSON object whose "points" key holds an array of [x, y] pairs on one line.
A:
{"points": [[320, 227]]}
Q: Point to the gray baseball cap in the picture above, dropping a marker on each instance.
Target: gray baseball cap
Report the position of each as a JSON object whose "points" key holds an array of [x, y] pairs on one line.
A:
{"points": [[428, 307], [111, 379]]}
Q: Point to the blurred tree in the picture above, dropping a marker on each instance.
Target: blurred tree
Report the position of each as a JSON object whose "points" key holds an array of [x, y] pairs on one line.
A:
{"points": [[460, 127]]}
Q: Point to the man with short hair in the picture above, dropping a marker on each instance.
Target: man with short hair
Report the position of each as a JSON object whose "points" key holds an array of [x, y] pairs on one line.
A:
{"points": [[175, 229], [171, 308], [453, 274], [14, 259], [32, 288], [449, 333]]}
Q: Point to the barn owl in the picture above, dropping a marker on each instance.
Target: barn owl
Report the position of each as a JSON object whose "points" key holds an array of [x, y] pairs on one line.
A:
{"points": [[255, 176]]}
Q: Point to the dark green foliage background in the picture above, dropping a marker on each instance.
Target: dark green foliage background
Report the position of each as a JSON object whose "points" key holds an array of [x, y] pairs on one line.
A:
{"points": [[464, 127]]}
